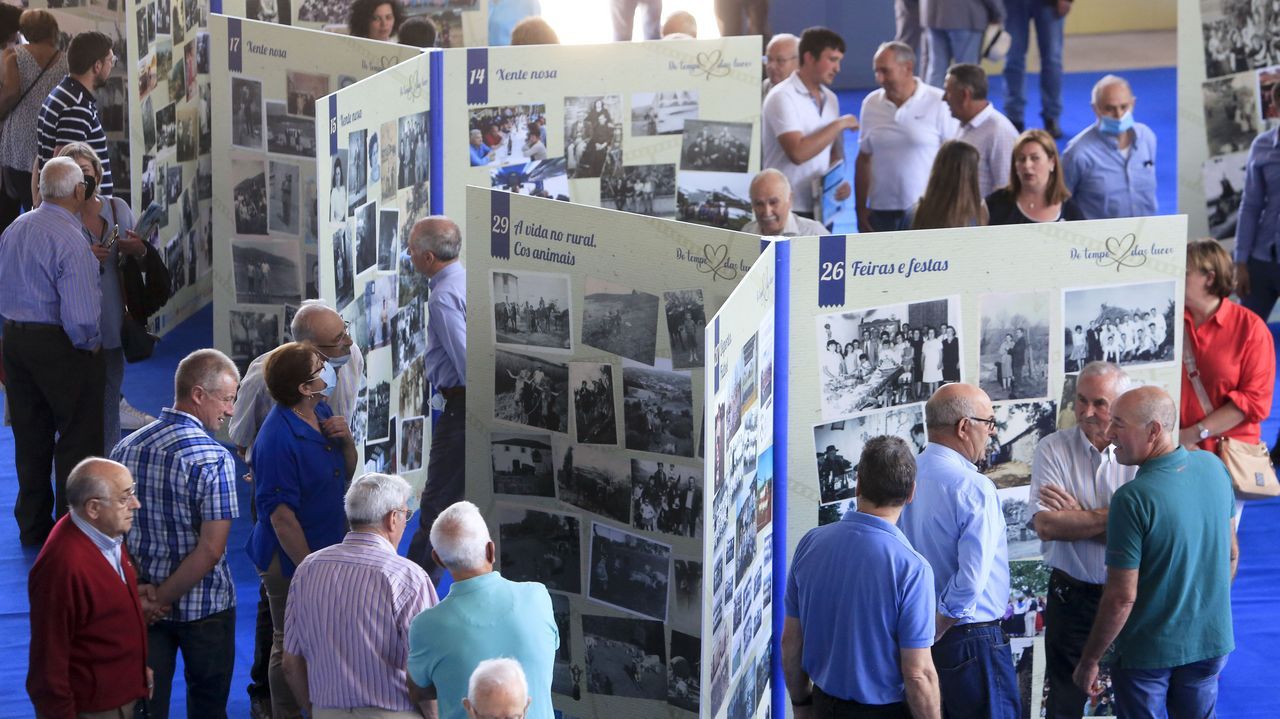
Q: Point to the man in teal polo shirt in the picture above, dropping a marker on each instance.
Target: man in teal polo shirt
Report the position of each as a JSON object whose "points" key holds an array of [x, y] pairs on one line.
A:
{"points": [[484, 617], [1171, 556]]}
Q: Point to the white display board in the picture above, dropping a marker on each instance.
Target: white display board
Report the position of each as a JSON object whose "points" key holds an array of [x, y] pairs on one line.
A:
{"points": [[458, 23]]}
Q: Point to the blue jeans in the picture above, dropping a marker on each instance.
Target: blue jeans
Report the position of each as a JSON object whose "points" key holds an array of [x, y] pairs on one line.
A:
{"points": [[208, 649], [1019, 14], [1186, 692], [975, 673], [951, 46]]}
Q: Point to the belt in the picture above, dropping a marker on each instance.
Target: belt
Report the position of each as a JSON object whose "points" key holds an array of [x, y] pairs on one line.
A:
{"points": [[14, 324], [972, 625], [1072, 582], [449, 393]]}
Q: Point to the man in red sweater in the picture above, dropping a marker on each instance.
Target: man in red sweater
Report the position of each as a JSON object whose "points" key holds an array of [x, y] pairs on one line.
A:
{"points": [[88, 635]]}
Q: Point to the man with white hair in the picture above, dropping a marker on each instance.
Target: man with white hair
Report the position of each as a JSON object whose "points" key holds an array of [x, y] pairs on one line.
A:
{"points": [[483, 616], [497, 688], [771, 202], [1171, 557], [1110, 167], [781, 58], [51, 303], [350, 604]]}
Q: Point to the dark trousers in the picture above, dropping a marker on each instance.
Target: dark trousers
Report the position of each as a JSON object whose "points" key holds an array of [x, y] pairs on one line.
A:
{"points": [[445, 479], [1264, 290], [208, 649], [55, 403], [975, 673], [729, 15], [259, 683], [826, 706], [1068, 617]]}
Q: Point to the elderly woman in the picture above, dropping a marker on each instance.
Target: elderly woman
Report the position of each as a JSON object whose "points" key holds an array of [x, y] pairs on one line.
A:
{"points": [[302, 459], [1036, 191]]}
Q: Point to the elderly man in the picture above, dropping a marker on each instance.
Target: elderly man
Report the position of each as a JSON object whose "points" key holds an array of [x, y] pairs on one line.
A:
{"points": [[1171, 556], [434, 246], [1073, 478], [953, 31], [1110, 167], [802, 128], [481, 154], [497, 688], [51, 303], [858, 633], [903, 125], [70, 112], [186, 483], [981, 125], [88, 635], [956, 523], [1049, 17], [781, 58], [771, 202], [347, 622], [483, 616]]}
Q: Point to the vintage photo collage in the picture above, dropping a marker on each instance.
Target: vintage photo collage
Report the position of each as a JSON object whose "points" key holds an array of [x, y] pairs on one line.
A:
{"points": [[332, 15], [1242, 64], [526, 150]]}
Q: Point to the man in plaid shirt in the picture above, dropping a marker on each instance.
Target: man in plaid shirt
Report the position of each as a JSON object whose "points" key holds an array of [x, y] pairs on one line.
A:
{"points": [[186, 480]]}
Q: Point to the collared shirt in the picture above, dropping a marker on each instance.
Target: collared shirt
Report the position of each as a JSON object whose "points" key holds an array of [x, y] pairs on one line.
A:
{"points": [[790, 108], [902, 142], [445, 359], [796, 225], [1258, 232], [503, 16], [109, 546], [1067, 460], [861, 593], [481, 618], [70, 114], [480, 155], [113, 213], [48, 275], [184, 478], [348, 615], [994, 136], [1105, 182], [1172, 523], [1236, 360], [254, 402], [956, 523]]}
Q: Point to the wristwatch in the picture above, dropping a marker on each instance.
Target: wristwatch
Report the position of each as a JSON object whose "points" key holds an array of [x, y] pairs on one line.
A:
{"points": [[1204, 431]]}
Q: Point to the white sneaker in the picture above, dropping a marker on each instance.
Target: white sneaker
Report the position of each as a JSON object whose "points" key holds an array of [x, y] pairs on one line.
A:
{"points": [[132, 418]]}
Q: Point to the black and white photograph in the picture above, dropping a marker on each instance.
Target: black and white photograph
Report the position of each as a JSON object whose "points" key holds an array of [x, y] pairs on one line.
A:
{"points": [[167, 126], [178, 81], [311, 280], [173, 186], [716, 199], [531, 391], [658, 409], [414, 145], [592, 134], [521, 463], [379, 411], [360, 417], [202, 53], [621, 320], [1223, 190], [338, 207], [564, 673], [413, 386], [343, 277], [388, 246], [541, 547], [531, 309], [145, 17], [688, 595], [1230, 113], [596, 480], [374, 156], [187, 134], [1019, 428], [285, 189], [366, 237], [887, 356], [380, 456], [206, 118], [173, 257], [835, 511], [267, 11], [1268, 111], [625, 657], [1014, 345], [509, 134], [1126, 324], [839, 446], [252, 333], [745, 529], [593, 405], [1023, 542], [411, 440], [246, 113], [149, 123], [266, 271], [642, 189], [324, 12], [290, 135], [1236, 38], [380, 309], [629, 572], [684, 671], [714, 146], [413, 284], [408, 335], [448, 28], [389, 154], [249, 195], [357, 168], [662, 113], [719, 668], [686, 321], [535, 178], [303, 89], [113, 105], [666, 497]]}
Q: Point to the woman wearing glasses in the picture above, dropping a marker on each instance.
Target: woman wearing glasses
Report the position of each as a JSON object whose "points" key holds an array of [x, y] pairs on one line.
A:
{"points": [[303, 458]]}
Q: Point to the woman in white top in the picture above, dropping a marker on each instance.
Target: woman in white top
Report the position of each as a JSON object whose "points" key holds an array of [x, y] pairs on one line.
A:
{"points": [[932, 362], [338, 195]]}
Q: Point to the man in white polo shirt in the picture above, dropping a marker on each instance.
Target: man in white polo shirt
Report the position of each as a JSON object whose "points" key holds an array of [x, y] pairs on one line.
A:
{"points": [[802, 124], [981, 124], [903, 125]]}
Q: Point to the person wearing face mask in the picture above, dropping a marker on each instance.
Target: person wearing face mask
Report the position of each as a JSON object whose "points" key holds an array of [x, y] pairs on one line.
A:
{"points": [[303, 457], [1110, 167]]}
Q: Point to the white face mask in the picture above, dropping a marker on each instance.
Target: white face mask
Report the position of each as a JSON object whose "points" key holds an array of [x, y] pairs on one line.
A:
{"points": [[330, 378], [338, 362]]}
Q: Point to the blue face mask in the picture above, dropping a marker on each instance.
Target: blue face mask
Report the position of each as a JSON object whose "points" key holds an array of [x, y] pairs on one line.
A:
{"points": [[338, 362], [330, 378], [1112, 126]]}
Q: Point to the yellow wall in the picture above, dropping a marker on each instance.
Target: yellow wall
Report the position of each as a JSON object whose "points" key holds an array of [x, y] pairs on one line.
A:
{"points": [[1099, 16]]}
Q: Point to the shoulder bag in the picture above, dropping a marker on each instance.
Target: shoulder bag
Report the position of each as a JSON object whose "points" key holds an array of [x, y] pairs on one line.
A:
{"points": [[136, 338]]}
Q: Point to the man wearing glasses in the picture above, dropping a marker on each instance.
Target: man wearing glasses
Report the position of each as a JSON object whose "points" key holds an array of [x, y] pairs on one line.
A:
{"points": [[956, 523], [70, 112], [781, 58]]}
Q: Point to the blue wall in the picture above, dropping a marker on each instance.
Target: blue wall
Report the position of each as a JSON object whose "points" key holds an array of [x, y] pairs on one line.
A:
{"points": [[864, 24]]}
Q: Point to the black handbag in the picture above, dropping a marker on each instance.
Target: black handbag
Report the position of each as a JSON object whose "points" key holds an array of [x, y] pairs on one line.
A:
{"points": [[144, 283], [136, 339]]}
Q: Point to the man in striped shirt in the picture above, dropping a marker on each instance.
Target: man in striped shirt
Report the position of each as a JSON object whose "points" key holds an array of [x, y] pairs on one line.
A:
{"points": [[70, 112], [186, 483], [346, 625]]}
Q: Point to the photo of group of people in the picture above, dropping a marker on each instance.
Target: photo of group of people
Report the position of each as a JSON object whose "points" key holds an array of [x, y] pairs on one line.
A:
{"points": [[507, 135], [593, 404], [544, 547], [531, 309], [642, 189], [592, 135], [629, 571], [1127, 324]]}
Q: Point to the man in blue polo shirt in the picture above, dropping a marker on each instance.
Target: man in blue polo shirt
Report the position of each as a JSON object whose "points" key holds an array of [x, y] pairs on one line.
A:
{"points": [[1171, 556], [1110, 167], [860, 604]]}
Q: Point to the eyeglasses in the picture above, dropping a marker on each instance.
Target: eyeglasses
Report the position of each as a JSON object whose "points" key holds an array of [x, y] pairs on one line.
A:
{"points": [[989, 421], [123, 500], [406, 512], [342, 339], [778, 61]]}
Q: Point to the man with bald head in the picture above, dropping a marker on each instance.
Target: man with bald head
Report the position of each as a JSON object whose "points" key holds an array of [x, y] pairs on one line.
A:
{"points": [[1110, 167], [781, 58], [771, 202], [957, 525], [497, 688], [1171, 556]]}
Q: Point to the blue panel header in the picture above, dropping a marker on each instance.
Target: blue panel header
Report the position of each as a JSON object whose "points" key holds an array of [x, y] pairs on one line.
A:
{"points": [[235, 51], [500, 225], [333, 125], [831, 270], [477, 76]]}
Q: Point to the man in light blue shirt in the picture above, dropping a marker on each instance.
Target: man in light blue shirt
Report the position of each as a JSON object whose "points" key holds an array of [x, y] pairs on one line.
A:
{"points": [[1110, 167], [860, 603], [956, 523], [484, 617], [481, 154]]}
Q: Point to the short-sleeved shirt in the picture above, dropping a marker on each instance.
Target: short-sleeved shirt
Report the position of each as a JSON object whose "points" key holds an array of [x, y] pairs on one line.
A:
{"points": [[902, 142], [481, 618], [1105, 182], [1172, 524], [790, 108], [861, 594], [184, 478], [1237, 362], [70, 114], [254, 403]]}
